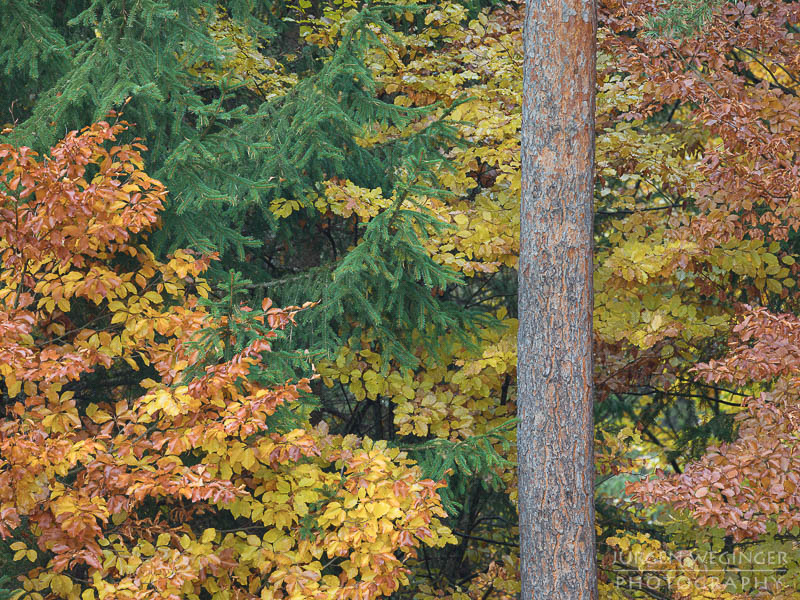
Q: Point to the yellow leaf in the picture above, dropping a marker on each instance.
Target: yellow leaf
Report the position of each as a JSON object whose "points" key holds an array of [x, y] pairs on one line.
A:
{"points": [[12, 385], [774, 286], [208, 535], [116, 345], [462, 220], [379, 509]]}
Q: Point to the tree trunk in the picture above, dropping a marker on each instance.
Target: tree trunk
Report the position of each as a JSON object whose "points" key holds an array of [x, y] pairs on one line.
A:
{"points": [[555, 399]]}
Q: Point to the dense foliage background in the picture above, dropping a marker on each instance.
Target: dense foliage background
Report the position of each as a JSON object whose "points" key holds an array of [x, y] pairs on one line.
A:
{"points": [[167, 432]]}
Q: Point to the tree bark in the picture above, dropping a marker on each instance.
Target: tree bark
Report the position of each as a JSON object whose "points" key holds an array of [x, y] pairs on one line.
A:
{"points": [[555, 395]]}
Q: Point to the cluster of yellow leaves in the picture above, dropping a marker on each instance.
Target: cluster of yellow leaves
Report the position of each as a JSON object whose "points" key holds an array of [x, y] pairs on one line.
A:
{"points": [[649, 288], [325, 31], [471, 396], [436, 399], [483, 56], [243, 63], [341, 198]]}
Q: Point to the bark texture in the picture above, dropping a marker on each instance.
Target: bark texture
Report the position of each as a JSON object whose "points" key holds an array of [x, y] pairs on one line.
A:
{"points": [[555, 396]]}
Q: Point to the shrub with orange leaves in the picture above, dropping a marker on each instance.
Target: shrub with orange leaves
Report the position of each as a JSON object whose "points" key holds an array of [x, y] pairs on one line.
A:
{"points": [[138, 458], [751, 486]]}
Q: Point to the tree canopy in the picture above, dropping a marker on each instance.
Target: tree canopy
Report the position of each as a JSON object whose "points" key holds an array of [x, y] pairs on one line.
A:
{"points": [[258, 309]]}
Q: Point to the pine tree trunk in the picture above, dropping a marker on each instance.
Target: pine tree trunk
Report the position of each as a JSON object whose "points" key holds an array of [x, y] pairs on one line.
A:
{"points": [[555, 399]]}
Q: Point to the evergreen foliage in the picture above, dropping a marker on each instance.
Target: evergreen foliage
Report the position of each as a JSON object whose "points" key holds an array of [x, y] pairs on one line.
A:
{"points": [[681, 18], [464, 463], [225, 152]]}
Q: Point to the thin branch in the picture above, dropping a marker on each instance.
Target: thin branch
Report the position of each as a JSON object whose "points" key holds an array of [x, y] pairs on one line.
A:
{"points": [[483, 539], [290, 278], [633, 212]]}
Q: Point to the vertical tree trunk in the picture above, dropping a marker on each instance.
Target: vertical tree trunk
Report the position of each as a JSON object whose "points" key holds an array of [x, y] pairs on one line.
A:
{"points": [[555, 399]]}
